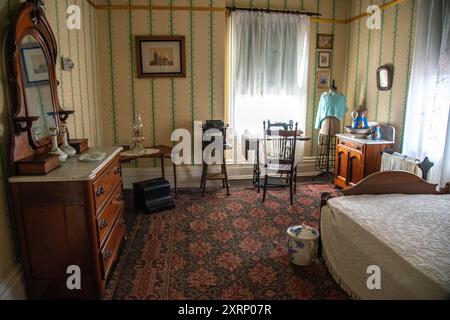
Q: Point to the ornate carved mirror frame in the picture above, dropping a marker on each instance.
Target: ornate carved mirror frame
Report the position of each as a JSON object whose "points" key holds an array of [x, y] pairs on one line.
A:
{"points": [[30, 21]]}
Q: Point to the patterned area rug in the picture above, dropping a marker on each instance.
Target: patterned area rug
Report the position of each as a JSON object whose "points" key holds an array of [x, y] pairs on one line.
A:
{"points": [[220, 247]]}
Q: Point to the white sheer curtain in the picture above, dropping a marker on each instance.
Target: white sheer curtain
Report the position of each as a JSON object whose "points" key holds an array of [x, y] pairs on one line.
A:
{"points": [[427, 127], [268, 69]]}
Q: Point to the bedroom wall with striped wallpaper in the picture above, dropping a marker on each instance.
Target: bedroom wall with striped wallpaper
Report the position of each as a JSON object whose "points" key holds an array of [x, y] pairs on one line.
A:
{"points": [[368, 50], [166, 104], [78, 91]]}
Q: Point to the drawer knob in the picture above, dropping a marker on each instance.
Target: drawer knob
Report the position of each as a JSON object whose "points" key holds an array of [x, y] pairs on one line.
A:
{"points": [[117, 170], [104, 223], [108, 254], [119, 196], [100, 191]]}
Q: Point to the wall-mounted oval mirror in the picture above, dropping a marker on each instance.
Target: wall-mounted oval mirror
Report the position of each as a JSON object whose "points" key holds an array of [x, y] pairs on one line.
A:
{"points": [[384, 78], [36, 83]]}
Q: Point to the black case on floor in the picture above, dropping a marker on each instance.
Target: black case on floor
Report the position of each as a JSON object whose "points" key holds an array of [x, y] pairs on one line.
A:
{"points": [[152, 196]]}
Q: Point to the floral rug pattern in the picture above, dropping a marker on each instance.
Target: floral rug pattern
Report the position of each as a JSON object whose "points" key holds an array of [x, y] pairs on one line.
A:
{"points": [[220, 247]]}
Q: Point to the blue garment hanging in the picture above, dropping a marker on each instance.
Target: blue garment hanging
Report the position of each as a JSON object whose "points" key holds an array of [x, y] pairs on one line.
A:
{"points": [[331, 104]]}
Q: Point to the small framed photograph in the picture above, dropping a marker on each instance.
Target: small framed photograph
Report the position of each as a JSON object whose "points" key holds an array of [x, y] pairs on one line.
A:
{"points": [[160, 57], [325, 41], [324, 59], [323, 79], [34, 65]]}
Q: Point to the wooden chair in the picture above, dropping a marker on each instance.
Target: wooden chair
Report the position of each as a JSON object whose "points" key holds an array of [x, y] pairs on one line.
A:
{"points": [[257, 170], [279, 157], [223, 175]]}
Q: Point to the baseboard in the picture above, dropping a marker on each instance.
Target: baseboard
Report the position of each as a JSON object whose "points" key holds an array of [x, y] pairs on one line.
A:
{"points": [[189, 176], [13, 286]]}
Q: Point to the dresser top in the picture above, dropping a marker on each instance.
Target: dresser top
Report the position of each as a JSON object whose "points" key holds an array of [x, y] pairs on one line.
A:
{"points": [[73, 169], [363, 141]]}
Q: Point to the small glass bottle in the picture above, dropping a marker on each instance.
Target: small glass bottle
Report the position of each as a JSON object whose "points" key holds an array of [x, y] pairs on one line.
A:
{"points": [[138, 135]]}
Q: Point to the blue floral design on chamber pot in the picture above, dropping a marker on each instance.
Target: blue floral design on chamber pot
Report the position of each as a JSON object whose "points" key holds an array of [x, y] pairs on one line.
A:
{"points": [[300, 244]]}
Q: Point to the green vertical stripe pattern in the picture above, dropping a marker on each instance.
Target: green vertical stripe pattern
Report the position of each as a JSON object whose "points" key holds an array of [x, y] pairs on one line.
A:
{"points": [[347, 72], [212, 85], [97, 78], [408, 76], [315, 88], [112, 80], [191, 67], [172, 80], [58, 36], [368, 60], [131, 63], [380, 61], [334, 40], [152, 83], [89, 105], [71, 80], [394, 55], [79, 81], [355, 101], [96, 123]]}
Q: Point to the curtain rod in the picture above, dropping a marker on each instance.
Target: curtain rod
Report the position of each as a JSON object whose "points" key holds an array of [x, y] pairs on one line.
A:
{"points": [[316, 14]]}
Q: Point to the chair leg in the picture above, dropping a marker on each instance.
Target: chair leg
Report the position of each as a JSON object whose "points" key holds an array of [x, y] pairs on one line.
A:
{"points": [[291, 188], [203, 176], [204, 179], [295, 181], [266, 180], [225, 172]]}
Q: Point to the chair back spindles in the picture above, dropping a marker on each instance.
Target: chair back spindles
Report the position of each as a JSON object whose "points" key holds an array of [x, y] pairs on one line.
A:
{"points": [[280, 152]]}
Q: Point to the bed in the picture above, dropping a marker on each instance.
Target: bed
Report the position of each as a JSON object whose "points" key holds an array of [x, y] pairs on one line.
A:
{"points": [[395, 221]]}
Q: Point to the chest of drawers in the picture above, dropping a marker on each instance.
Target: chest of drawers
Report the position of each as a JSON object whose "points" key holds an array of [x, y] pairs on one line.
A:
{"points": [[71, 219]]}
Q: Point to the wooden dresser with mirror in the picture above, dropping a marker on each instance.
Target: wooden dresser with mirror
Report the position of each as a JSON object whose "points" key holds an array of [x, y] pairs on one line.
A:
{"points": [[70, 218]]}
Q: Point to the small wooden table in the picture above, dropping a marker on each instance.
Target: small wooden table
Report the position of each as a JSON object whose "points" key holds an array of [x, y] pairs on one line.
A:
{"points": [[165, 152]]}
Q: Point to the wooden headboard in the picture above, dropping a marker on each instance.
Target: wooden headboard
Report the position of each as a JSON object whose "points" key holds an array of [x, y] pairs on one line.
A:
{"points": [[391, 182], [388, 182]]}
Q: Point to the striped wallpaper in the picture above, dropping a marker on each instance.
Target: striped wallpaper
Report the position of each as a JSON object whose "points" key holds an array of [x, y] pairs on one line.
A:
{"points": [[166, 104], [78, 91], [369, 49]]}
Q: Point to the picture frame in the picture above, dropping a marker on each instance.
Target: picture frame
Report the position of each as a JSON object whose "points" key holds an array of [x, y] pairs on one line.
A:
{"points": [[325, 41], [385, 77], [323, 79], [324, 59], [34, 65], [160, 56]]}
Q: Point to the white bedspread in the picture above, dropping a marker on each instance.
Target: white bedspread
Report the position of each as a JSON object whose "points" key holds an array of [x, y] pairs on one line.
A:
{"points": [[407, 236]]}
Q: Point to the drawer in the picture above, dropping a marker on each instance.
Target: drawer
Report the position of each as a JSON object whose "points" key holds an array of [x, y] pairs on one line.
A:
{"points": [[107, 218], [106, 183], [352, 145], [110, 251]]}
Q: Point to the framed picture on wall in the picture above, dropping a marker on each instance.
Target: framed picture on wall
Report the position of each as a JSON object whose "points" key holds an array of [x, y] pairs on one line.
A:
{"points": [[325, 41], [324, 59], [160, 57], [323, 79]]}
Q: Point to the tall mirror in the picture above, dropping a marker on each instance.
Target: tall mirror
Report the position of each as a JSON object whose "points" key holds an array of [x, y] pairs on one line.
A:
{"points": [[36, 83], [35, 108]]}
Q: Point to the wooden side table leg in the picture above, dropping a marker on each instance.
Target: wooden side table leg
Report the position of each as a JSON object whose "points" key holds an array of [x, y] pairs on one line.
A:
{"points": [[162, 168], [175, 180]]}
